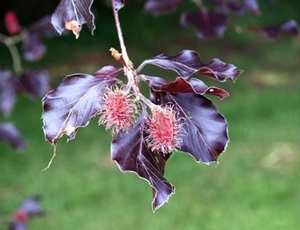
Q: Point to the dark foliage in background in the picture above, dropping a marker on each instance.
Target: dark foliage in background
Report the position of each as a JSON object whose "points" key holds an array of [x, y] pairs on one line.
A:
{"points": [[30, 209], [19, 81]]}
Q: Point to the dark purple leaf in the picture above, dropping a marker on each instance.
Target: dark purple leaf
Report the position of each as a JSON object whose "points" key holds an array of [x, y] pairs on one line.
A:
{"points": [[75, 101], [206, 129], [188, 62], [239, 6], [43, 27], [8, 87], [10, 134], [131, 153], [72, 14], [207, 23], [157, 7], [181, 85], [219, 70], [17, 226], [35, 83], [33, 47], [288, 29], [251, 5], [119, 4], [31, 207]]}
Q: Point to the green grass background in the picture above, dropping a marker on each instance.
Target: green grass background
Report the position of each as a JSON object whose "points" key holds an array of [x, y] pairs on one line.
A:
{"points": [[255, 186]]}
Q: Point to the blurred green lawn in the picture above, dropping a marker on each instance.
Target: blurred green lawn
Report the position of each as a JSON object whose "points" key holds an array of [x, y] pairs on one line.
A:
{"points": [[255, 186]]}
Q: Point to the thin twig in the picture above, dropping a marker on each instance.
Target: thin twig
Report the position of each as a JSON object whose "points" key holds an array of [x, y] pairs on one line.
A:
{"points": [[16, 58], [130, 72], [10, 42], [120, 34]]}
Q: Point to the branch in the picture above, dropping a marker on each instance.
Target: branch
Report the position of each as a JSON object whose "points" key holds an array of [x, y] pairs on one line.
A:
{"points": [[128, 66], [10, 42], [120, 35]]}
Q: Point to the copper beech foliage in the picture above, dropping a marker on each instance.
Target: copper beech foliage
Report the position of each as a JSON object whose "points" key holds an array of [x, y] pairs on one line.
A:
{"points": [[10, 134], [213, 21], [178, 116], [30, 208], [20, 81]]}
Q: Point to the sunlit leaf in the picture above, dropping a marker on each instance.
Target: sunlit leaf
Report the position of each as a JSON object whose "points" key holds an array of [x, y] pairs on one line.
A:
{"points": [[206, 129], [131, 153], [188, 62], [75, 101], [181, 85], [72, 14]]}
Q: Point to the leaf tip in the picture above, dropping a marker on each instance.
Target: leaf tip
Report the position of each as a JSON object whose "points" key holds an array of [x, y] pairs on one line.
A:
{"points": [[155, 207]]}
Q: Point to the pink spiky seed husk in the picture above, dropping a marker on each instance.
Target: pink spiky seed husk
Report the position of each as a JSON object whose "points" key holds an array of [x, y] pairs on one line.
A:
{"points": [[119, 110], [164, 130]]}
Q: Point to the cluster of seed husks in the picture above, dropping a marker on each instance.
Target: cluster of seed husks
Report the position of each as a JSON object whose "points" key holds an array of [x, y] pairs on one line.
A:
{"points": [[162, 127]]}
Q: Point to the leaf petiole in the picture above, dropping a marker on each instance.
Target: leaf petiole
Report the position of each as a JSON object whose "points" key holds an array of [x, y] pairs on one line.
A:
{"points": [[10, 43]]}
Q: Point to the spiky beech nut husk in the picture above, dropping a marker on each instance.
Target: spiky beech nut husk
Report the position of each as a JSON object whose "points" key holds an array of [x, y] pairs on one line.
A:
{"points": [[164, 130], [119, 110]]}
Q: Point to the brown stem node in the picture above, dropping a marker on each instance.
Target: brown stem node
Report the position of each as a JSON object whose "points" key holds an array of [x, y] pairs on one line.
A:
{"points": [[116, 54]]}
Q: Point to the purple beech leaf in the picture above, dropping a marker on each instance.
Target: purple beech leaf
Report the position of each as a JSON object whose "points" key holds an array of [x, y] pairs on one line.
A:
{"points": [[35, 83], [33, 47], [289, 29], [31, 207], [119, 4], [251, 5], [15, 225], [181, 85], [76, 100], [219, 70], [72, 14], [10, 134], [8, 91], [188, 62], [207, 23], [206, 129], [239, 6], [43, 27], [131, 153], [200, 88], [156, 7]]}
